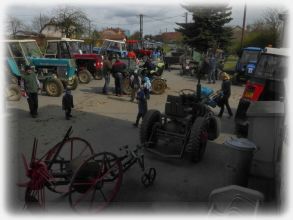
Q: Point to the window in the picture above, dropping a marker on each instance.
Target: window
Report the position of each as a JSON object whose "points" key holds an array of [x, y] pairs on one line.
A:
{"points": [[52, 48]]}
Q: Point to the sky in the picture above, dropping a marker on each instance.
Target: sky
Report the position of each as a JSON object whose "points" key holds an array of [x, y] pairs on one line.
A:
{"points": [[157, 17]]}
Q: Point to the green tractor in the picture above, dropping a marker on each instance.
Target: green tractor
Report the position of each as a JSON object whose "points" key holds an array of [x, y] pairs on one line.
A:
{"points": [[54, 74]]}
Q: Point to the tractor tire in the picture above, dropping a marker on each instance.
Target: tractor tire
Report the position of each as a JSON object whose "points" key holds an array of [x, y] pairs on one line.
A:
{"points": [[72, 84], [126, 89], [98, 75], [149, 120], [214, 127], [54, 87], [197, 140], [84, 76], [13, 92], [158, 86]]}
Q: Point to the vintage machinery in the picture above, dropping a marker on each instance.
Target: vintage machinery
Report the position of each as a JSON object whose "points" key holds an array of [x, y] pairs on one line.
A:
{"points": [[246, 64], [188, 122], [54, 74], [266, 84], [72, 168], [114, 48], [137, 48], [87, 63]]}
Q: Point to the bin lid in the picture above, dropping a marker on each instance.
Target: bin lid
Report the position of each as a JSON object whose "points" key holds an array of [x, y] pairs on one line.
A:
{"points": [[242, 144]]}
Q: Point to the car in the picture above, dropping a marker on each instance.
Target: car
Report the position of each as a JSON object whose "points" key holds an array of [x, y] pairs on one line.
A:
{"points": [[266, 84]]}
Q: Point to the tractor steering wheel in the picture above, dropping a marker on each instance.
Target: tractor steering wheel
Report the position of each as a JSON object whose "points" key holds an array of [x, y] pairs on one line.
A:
{"points": [[187, 92]]}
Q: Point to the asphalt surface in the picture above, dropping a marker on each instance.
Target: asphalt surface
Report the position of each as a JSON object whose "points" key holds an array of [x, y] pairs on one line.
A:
{"points": [[105, 121]]}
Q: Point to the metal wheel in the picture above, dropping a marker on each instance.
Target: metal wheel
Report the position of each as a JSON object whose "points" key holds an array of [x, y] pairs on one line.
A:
{"points": [[98, 75], [73, 152], [72, 84], [84, 76], [54, 87], [126, 89], [96, 183], [158, 86], [149, 177]]}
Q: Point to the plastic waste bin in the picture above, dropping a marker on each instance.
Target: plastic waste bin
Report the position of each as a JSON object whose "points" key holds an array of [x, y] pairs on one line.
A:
{"points": [[239, 156]]}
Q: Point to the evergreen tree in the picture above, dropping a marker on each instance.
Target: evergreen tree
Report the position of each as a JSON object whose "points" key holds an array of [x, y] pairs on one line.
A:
{"points": [[208, 27]]}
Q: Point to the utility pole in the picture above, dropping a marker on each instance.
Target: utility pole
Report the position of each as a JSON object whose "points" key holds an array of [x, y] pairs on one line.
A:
{"points": [[243, 26], [90, 35], [186, 16], [141, 27]]}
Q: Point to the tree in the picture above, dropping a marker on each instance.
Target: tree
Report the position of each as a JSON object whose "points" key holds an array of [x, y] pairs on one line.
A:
{"points": [[208, 27], [14, 25], [135, 36], [40, 22], [71, 21]]}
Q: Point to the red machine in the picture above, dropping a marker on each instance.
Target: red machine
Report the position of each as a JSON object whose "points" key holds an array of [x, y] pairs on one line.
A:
{"points": [[136, 47]]}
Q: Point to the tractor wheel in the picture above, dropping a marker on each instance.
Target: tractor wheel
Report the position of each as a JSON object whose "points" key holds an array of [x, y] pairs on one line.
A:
{"points": [[214, 127], [126, 89], [197, 140], [72, 84], [54, 87], [158, 86], [98, 75], [151, 119], [13, 92], [84, 76]]}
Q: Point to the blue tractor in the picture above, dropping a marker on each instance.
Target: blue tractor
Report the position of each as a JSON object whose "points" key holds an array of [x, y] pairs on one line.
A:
{"points": [[54, 74], [246, 64]]}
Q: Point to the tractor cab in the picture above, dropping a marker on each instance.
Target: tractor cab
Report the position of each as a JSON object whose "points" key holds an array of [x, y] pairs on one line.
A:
{"points": [[266, 84], [246, 64], [87, 63], [54, 74], [114, 47]]}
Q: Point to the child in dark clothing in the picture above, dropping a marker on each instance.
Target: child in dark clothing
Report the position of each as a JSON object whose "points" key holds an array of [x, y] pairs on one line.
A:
{"points": [[67, 104], [142, 105]]}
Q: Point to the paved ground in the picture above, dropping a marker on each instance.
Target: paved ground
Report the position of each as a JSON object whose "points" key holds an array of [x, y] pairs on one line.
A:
{"points": [[106, 122]]}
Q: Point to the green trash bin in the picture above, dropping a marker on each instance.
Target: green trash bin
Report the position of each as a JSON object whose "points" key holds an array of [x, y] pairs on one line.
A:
{"points": [[239, 152]]}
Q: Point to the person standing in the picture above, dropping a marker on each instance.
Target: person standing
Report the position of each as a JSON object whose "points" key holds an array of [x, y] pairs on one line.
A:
{"points": [[118, 69], [107, 68], [134, 84], [31, 87], [147, 87], [67, 104], [226, 89], [142, 105]]}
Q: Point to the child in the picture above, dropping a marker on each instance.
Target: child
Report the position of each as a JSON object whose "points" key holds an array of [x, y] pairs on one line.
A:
{"points": [[67, 104], [142, 105]]}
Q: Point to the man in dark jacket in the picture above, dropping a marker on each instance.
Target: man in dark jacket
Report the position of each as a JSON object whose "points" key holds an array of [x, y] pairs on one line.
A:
{"points": [[67, 104], [118, 69], [31, 86], [142, 105], [226, 89]]}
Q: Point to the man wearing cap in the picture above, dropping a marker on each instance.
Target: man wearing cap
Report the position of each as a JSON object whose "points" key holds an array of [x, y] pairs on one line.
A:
{"points": [[31, 86]]}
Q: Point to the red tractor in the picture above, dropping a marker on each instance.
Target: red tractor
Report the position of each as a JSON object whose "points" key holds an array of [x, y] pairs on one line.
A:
{"points": [[136, 47], [87, 63]]}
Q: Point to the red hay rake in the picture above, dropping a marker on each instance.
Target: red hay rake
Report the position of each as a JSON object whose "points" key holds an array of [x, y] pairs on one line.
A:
{"points": [[71, 168]]}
